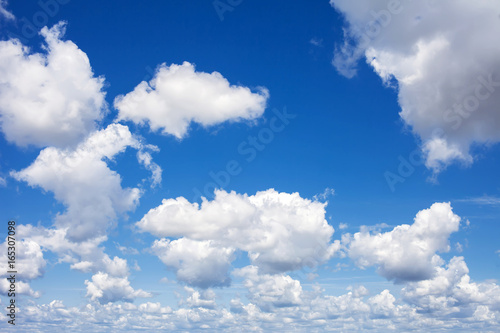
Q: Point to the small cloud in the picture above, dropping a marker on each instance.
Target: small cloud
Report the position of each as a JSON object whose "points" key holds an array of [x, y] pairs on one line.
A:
{"points": [[316, 41], [459, 248], [312, 276], [3, 182], [323, 196], [164, 280], [126, 250], [343, 226]]}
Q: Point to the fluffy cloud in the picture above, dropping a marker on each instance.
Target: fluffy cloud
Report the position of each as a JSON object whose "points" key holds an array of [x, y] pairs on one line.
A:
{"points": [[408, 252], [29, 261], [451, 291], [280, 231], [198, 263], [105, 288], [269, 291], [29, 264], [445, 59], [85, 256], [81, 179], [50, 98], [178, 95]]}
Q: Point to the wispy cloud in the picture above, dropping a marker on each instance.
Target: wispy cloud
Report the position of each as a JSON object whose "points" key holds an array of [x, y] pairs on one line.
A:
{"points": [[485, 200]]}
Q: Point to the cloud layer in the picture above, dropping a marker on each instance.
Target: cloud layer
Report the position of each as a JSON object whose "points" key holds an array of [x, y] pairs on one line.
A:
{"points": [[445, 66], [178, 96]]}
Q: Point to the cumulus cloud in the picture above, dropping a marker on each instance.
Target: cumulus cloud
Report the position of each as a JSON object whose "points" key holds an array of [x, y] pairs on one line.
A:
{"points": [[444, 57], [105, 288], [178, 96], [29, 264], [198, 263], [451, 291], [29, 261], [204, 299], [85, 256], [408, 252], [21, 288], [50, 98], [270, 291], [279, 231], [81, 179]]}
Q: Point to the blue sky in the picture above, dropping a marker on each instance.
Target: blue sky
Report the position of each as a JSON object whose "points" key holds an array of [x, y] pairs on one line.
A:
{"points": [[353, 146]]}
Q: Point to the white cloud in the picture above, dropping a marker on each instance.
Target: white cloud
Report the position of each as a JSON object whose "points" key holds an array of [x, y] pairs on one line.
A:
{"points": [[29, 264], [144, 157], [105, 288], [178, 95], [269, 291], [445, 59], [485, 200], [408, 252], [323, 196], [451, 291], [280, 231], [204, 299], [85, 256], [29, 261], [50, 98], [198, 263], [81, 179], [21, 288], [4, 12]]}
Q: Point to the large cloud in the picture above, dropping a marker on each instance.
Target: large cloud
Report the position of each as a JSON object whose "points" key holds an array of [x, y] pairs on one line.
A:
{"points": [[280, 231], [81, 179], [408, 252], [50, 98], [445, 58], [178, 95]]}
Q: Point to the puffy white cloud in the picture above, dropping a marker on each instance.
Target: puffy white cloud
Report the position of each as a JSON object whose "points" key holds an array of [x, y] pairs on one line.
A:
{"points": [[280, 231], [81, 179], [408, 252], [21, 288], [85, 256], [198, 263], [204, 299], [450, 290], [178, 95], [268, 291], [4, 12], [29, 264], [445, 59], [50, 98], [105, 288], [29, 261]]}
